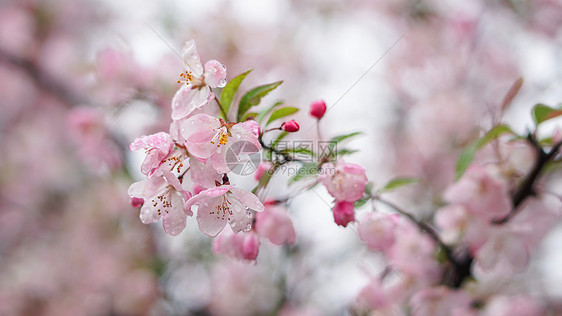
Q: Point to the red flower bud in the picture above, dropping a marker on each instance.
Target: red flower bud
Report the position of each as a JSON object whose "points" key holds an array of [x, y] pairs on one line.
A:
{"points": [[290, 126], [136, 202], [318, 108]]}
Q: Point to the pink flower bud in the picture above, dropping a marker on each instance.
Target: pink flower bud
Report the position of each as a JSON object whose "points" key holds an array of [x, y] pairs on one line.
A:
{"points": [[262, 168], [290, 126], [136, 202], [343, 213], [250, 246], [318, 108]]}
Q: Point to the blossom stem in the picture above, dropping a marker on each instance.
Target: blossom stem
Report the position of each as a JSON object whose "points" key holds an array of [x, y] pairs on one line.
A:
{"points": [[223, 112]]}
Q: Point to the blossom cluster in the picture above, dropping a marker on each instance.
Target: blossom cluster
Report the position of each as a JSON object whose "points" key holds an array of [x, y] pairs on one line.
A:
{"points": [[195, 149]]}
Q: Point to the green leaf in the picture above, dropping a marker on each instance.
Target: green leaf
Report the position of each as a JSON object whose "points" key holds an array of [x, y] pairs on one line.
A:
{"points": [[308, 170], [467, 155], [543, 113], [513, 91], [361, 202], [282, 112], [230, 90], [249, 115], [265, 112], [269, 154], [340, 138], [398, 182], [299, 150], [345, 152], [253, 97]]}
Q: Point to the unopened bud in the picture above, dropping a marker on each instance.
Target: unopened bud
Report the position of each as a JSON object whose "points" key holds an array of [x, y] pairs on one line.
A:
{"points": [[318, 108], [136, 202], [290, 126]]}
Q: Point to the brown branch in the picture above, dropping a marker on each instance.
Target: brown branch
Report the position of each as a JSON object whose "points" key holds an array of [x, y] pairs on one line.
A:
{"points": [[527, 187]]}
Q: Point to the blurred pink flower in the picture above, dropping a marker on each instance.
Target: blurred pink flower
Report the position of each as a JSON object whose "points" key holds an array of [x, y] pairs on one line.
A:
{"points": [[481, 192], [242, 245], [377, 230], [344, 181], [275, 224]]}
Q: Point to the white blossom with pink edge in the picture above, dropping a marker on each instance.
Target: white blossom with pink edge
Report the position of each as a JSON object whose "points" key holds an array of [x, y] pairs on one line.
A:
{"points": [[163, 199], [157, 147], [219, 205], [196, 92], [344, 181], [276, 225], [207, 137]]}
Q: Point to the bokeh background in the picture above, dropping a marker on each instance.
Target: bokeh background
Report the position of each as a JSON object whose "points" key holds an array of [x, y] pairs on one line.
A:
{"points": [[79, 80]]}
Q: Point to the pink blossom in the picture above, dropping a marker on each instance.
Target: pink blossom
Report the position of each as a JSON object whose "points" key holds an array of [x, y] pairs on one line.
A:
{"points": [[513, 305], [223, 204], [207, 137], [344, 212], [377, 230], [344, 181], [203, 174], [373, 296], [163, 199], [195, 93], [156, 146], [275, 224], [481, 192], [262, 168], [439, 301], [318, 108], [502, 253], [457, 225], [242, 246], [290, 126], [412, 253]]}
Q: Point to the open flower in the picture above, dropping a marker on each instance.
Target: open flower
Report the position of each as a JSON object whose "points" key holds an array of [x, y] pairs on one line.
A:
{"points": [[197, 82], [345, 181], [163, 199], [208, 137], [219, 205]]}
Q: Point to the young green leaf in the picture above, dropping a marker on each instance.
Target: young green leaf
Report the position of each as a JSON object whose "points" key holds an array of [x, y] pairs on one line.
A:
{"points": [[361, 202], [513, 91], [398, 182], [282, 112], [265, 112], [253, 97], [543, 113], [230, 90], [340, 138], [467, 155], [308, 170]]}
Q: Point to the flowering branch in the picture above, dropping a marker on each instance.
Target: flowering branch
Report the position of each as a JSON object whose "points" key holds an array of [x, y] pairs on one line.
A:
{"points": [[526, 188]]}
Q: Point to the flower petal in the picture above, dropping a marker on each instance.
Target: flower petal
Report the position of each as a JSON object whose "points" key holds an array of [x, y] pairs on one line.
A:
{"points": [[174, 221], [186, 100], [215, 74], [210, 224], [191, 58], [248, 199]]}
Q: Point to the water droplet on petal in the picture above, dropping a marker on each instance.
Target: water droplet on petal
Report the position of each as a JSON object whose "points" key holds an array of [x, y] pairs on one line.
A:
{"points": [[248, 228], [237, 136], [218, 149], [250, 215]]}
